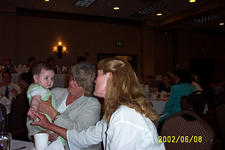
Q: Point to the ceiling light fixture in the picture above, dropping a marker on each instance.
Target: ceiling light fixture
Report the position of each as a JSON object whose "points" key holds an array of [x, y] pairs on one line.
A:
{"points": [[221, 23], [60, 49], [159, 14], [47, 0], [116, 8], [192, 1]]}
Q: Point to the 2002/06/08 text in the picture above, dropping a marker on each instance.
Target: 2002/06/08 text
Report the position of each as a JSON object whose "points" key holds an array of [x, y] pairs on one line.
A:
{"points": [[182, 139]]}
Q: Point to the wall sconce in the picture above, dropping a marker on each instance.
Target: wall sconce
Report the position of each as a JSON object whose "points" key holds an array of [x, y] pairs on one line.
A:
{"points": [[60, 49]]}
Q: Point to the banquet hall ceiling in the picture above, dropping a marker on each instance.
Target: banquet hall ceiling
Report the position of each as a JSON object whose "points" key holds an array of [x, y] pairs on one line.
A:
{"points": [[203, 14]]}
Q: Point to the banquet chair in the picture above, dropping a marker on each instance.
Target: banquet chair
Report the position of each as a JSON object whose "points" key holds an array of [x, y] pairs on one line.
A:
{"points": [[185, 130], [220, 111], [194, 102]]}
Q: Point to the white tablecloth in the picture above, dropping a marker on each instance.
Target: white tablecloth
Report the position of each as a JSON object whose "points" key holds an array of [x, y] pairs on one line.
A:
{"points": [[23, 145]]}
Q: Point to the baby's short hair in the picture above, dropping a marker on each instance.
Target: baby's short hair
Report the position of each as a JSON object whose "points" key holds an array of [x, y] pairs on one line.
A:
{"points": [[40, 66]]}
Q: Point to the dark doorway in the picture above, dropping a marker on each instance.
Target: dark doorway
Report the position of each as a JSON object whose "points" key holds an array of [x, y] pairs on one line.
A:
{"points": [[204, 68]]}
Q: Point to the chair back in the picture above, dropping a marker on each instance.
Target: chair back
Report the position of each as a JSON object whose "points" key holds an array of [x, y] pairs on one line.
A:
{"points": [[194, 102], [220, 111], [185, 130]]}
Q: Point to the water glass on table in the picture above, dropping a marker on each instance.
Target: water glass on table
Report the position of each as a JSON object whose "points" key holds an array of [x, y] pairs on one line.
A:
{"points": [[5, 141]]}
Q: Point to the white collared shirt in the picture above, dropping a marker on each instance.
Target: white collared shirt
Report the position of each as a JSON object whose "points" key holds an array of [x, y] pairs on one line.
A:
{"points": [[10, 86], [127, 130]]}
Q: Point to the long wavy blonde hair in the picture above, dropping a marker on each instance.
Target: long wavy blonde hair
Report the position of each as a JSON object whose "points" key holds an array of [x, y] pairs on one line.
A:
{"points": [[123, 88]]}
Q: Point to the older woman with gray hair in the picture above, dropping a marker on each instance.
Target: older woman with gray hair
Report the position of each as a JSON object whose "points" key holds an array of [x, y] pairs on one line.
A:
{"points": [[76, 107]]}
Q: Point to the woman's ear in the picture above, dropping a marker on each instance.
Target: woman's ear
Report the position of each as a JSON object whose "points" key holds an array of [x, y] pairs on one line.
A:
{"points": [[109, 74]]}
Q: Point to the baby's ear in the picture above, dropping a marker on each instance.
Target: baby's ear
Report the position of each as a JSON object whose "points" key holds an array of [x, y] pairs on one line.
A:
{"points": [[35, 77]]}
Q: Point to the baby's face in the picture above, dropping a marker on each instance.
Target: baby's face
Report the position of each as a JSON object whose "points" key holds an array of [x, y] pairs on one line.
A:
{"points": [[46, 78]]}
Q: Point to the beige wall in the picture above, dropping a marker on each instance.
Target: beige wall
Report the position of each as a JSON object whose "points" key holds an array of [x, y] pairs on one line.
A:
{"points": [[148, 51], [41, 34], [34, 36], [157, 51], [8, 35]]}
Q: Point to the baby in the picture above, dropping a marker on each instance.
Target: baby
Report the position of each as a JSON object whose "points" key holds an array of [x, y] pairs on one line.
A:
{"points": [[39, 90]]}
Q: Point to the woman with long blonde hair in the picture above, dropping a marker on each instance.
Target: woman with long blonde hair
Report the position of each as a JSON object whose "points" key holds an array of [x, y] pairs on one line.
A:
{"points": [[127, 123]]}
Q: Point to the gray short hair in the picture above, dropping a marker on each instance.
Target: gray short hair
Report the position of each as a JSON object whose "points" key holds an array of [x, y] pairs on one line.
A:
{"points": [[84, 74]]}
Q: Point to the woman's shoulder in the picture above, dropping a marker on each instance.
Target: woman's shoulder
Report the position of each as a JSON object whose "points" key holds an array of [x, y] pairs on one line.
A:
{"points": [[130, 117], [91, 100], [125, 113]]}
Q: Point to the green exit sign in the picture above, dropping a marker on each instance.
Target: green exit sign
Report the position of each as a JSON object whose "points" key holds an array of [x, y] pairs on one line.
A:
{"points": [[119, 44]]}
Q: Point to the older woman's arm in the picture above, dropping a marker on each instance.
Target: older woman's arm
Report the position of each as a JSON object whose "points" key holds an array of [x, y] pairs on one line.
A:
{"points": [[43, 122], [88, 116], [92, 135]]}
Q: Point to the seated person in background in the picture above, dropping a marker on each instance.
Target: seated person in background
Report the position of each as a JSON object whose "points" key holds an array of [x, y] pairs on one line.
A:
{"points": [[31, 63], [19, 109], [81, 59], [195, 83], [144, 86], [148, 80], [183, 87], [165, 84], [76, 106], [7, 64], [128, 120], [7, 88], [51, 62]]}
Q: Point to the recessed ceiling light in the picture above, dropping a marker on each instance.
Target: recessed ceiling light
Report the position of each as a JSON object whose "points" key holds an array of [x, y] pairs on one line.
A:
{"points": [[221, 23], [159, 14], [47, 0], [116, 8], [192, 1]]}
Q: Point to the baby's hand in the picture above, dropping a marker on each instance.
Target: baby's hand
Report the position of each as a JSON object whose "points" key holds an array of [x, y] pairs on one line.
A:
{"points": [[30, 114]]}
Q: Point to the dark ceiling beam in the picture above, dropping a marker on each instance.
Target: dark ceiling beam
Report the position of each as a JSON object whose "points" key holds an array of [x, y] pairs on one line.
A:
{"points": [[72, 16]]}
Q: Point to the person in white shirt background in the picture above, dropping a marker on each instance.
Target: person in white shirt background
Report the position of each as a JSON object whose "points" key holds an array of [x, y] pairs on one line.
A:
{"points": [[8, 91], [128, 121], [7, 88]]}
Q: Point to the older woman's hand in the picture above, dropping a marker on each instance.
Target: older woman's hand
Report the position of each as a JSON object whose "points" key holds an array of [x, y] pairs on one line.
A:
{"points": [[52, 136], [43, 122], [46, 108]]}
